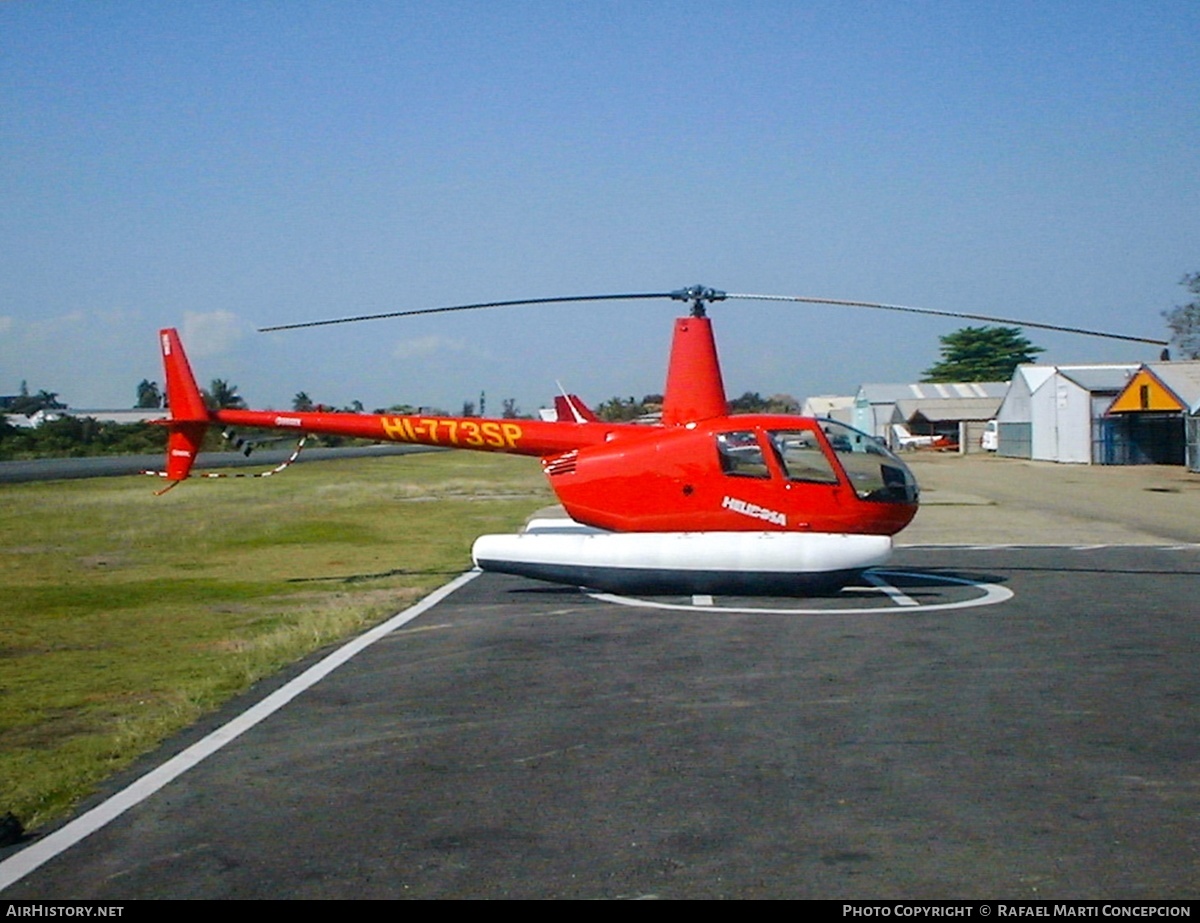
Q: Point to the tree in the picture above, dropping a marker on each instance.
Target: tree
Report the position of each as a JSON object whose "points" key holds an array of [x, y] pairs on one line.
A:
{"points": [[783, 403], [29, 404], [749, 402], [148, 394], [221, 395], [302, 402], [49, 400], [753, 402], [620, 410], [982, 354], [1184, 320]]}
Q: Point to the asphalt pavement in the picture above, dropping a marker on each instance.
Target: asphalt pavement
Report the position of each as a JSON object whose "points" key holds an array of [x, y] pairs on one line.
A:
{"points": [[1007, 711]]}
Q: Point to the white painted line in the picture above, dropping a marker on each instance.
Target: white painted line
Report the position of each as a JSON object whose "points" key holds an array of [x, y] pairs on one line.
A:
{"points": [[968, 546], [899, 597], [991, 594], [702, 599], [21, 864]]}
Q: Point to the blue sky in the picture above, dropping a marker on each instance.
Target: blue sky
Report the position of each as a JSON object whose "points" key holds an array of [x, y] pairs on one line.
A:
{"points": [[224, 165]]}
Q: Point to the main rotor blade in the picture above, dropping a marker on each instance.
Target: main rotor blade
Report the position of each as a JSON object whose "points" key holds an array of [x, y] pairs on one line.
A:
{"points": [[466, 307], [982, 317], [701, 294]]}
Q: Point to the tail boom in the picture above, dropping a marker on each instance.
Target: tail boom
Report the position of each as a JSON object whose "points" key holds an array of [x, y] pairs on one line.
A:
{"points": [[190, 418], [514, 437]]}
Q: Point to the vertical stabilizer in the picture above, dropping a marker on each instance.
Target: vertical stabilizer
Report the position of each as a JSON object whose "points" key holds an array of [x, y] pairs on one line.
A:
{"points": [[695, 390], [569, 408], [189, 418]]}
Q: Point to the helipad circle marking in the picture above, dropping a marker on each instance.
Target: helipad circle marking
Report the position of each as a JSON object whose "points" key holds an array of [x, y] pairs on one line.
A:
{"points": [[992, 594]]}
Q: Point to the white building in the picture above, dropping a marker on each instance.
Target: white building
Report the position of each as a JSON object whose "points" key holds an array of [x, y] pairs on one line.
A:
{"points": [[835, 406], [1056, 412]]}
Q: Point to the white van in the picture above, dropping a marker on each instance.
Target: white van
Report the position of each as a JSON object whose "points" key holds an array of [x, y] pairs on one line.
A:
{"points": [[990, 440]]}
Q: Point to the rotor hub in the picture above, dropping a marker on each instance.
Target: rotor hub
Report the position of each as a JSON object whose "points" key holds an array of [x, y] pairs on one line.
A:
{"points": [[697, 295]]}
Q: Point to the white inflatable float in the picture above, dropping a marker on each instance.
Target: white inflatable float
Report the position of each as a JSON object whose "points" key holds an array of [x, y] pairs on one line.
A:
{"points": [[741, 563]]}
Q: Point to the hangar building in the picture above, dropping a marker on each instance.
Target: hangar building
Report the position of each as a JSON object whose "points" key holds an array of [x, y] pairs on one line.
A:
{"points": [[957, 410], [1056, 413], [1156, 417]]}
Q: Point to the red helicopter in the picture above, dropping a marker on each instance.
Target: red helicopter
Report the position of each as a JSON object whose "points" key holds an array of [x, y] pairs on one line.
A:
{"points": [[704, 502]]}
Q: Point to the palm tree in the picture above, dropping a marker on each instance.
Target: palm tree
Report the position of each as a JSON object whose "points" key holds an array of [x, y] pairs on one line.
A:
{"points": [[221, 395], [148, 394]]}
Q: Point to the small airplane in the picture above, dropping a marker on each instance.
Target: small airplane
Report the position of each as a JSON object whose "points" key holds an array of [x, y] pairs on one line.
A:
{"points": [[703, 503], [906, 440]]}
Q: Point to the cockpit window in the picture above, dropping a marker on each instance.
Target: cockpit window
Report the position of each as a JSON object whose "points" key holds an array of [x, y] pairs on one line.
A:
{"points": [[801, 456], [741, 455], [875, 472]]}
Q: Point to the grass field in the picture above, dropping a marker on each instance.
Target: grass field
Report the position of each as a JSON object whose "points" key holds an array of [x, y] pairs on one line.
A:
{"points": [[126, 616]]}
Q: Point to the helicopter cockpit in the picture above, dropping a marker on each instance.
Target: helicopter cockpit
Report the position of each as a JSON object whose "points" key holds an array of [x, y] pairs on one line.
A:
{"points": [[875, 473]]}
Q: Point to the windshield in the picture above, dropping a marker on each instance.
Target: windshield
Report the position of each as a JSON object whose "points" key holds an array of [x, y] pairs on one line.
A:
{"points": [[875, 473]]}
